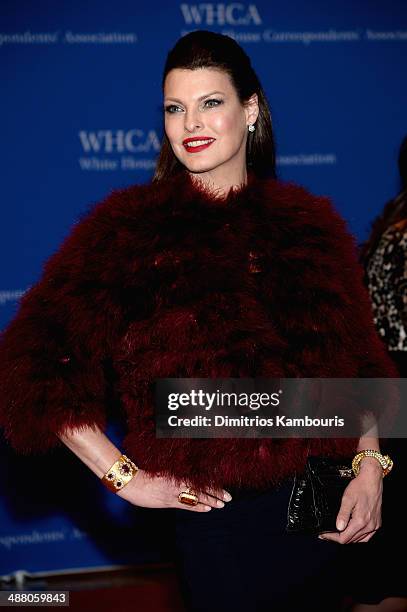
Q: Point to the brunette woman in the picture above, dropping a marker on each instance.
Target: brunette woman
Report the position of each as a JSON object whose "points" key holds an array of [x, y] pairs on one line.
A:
{"points": [[215, 269]]}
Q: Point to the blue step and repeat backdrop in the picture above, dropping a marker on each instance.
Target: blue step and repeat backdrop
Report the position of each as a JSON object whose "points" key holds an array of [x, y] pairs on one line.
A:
{"points": [[81, 114]]}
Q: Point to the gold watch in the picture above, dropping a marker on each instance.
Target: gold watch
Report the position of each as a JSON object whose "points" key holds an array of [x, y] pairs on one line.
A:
{"points": [[384, 460]]}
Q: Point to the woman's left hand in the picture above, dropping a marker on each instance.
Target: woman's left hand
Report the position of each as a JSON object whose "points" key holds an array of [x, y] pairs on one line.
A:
{"points": [[359, 516]]}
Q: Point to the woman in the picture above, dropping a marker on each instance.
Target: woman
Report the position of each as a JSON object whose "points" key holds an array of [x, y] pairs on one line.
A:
{"points": [[215, 269], [384, 256]]}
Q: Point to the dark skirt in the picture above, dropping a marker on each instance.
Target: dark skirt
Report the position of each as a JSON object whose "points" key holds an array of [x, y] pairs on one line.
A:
{"points": [[240, 558]]}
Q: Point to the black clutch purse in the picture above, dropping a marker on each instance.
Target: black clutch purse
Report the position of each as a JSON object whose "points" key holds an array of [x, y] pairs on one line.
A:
{"points": [[317, 494]]}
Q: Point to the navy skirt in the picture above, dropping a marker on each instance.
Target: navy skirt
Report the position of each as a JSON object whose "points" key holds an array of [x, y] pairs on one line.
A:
{"points": [[240, 558]]}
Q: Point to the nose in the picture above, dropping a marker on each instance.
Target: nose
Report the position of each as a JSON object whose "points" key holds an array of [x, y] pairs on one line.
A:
{"points": [[192, 121]]}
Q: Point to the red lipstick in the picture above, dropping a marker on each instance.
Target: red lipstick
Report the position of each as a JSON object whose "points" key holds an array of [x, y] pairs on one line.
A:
{"points": [[195, 148]]}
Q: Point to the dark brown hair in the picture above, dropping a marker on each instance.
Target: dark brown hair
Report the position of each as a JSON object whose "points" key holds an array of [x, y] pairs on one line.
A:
{"points": [[394, 211], [206, 49]]}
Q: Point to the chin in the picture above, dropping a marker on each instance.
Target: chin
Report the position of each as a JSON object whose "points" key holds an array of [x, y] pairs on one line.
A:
{"points": [[200, 165], [199, 169]]}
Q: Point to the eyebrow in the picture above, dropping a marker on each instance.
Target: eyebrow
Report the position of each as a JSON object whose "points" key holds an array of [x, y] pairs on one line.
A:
{"points": [[199, 99]]}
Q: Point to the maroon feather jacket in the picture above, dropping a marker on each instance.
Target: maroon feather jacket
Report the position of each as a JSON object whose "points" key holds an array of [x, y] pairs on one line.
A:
{"points": [[164, 280]]}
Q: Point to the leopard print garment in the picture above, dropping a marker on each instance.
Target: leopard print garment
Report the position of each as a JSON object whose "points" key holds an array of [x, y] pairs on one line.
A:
{"points": [[387, 284]]}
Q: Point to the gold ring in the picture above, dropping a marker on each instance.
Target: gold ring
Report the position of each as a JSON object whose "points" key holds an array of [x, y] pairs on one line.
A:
{"points": [[188, 497]]}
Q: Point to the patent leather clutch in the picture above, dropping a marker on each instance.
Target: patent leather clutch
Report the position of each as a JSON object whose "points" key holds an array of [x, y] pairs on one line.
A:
{"points": [[317, 494]]}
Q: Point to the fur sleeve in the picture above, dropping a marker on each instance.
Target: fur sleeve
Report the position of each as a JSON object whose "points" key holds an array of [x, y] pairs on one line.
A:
{"points": [[54, 352], [323, 305]]}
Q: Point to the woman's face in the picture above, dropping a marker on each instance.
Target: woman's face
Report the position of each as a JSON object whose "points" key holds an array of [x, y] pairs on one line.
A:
{"points": [[200, 105]]}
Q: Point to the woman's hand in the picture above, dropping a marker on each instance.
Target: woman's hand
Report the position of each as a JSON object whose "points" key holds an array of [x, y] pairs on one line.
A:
{"points": [[159, 492], [359, 516]]}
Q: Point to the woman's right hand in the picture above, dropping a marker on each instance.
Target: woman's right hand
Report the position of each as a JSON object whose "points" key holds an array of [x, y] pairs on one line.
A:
{"points": [[160, 492]]}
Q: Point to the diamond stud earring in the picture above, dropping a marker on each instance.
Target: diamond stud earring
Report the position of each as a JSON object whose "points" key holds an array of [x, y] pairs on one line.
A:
{"points": [[252, 127]]}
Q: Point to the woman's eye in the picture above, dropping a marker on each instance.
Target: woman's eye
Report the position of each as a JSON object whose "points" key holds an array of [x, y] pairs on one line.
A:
{"points": [[168, 109], [214, 100]]}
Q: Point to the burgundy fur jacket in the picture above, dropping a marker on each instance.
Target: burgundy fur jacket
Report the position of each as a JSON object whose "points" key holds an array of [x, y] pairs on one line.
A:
{"points": [[165, 280]]}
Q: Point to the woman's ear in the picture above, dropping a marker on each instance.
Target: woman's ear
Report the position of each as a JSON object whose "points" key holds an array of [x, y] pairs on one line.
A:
{"points": [[252, 109]]}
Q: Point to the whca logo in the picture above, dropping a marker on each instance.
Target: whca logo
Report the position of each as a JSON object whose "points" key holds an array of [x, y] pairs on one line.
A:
{"points": [[119, 141], [233, 13]]}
